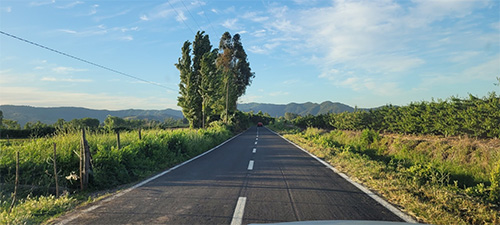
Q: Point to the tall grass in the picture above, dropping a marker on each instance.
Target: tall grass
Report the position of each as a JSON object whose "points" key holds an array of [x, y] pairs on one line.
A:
{"points": [[437, 180], [156, 151]]}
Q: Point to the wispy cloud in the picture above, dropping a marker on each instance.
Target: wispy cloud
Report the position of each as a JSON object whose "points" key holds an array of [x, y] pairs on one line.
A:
{"points": [[121, 13], [231, 24], [66, 70], [93, 9], [70, 5], [7, 9], [278, 93], [53, 79], [40, 3]]}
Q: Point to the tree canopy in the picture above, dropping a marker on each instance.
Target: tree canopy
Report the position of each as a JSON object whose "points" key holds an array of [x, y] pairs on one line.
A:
{"points": [[212, 80]]}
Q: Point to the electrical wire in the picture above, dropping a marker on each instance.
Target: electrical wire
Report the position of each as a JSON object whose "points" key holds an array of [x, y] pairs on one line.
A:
{"points": [[191, 15], [179, 16], [85, 61], [209, 22]]}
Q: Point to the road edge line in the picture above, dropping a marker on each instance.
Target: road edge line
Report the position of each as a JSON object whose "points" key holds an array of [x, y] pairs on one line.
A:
{"points": [[71, 218], [361, 187]]}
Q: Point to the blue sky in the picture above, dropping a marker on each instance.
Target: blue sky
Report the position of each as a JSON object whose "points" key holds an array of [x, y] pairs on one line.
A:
{"points": [[361, 53]]}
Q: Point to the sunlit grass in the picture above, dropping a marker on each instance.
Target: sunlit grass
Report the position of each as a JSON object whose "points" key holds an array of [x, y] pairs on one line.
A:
{"points": [[135, 160], [436, 180]]}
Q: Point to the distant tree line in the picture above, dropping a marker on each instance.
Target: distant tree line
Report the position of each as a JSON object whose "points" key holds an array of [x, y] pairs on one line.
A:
{"points": [[12, 129], [473, 116], [212, 80]]}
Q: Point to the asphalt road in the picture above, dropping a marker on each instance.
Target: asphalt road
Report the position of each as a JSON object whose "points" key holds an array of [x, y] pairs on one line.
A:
{"points": [[258, 177]]}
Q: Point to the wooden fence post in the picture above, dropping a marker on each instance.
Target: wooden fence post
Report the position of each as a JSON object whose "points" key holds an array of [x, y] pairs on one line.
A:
{"points": [[84, 162], [55, 171], [17, 182], [118, 139], [81, 159]]}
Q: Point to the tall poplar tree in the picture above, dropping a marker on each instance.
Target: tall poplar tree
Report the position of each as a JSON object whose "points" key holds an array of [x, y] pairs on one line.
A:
{"points": [[188, 87], [191, 99], [209, 86], [235, 69]]}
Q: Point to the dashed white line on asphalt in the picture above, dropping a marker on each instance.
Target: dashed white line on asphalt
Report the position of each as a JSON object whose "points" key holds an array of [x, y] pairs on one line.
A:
{"points": [[238, 211], [250, 165], [254, 150], [255, 142], [256, 139]]}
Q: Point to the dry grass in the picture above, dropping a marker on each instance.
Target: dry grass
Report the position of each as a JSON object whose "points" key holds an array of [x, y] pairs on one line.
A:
{"points": [[416, 173]]}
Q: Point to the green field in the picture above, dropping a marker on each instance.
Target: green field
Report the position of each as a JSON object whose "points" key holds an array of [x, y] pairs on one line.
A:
{"points": [[135, 160]]}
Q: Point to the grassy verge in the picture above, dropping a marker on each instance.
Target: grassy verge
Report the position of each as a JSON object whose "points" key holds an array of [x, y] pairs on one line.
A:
{"points": [[136, 160], [436, 180]]}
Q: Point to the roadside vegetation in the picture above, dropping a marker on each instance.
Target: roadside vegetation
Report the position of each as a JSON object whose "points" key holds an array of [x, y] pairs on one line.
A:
{"points": [[137, 159], [437, 161]]}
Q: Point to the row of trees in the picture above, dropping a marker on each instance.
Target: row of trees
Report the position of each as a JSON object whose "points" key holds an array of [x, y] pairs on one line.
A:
{"points": [[212, 80], [112, 123], [474, 117]]}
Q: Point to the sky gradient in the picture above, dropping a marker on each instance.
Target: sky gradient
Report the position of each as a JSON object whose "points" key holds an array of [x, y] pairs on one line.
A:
{"points": [[360, 53]]}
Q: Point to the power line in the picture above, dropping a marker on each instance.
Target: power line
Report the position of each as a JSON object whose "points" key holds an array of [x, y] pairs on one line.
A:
{"points": [[191, 15], [85, 61], [209, 22], [179, 16]]}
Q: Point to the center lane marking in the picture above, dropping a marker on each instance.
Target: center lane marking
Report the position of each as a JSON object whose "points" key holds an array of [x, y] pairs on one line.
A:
{"points": [[254, 150], [238, 211], [250, 165]]}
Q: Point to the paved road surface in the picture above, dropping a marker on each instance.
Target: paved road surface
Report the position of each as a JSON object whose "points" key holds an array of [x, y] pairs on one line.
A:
{"points": [[258, 177]]}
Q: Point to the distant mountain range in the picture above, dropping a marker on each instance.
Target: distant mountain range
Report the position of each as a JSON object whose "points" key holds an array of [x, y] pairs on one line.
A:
{"points": [[301, 109], [24, 114]]}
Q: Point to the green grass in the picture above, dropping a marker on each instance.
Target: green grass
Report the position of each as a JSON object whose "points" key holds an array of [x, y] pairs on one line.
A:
{"points": [[436, 180], [137, 159]]}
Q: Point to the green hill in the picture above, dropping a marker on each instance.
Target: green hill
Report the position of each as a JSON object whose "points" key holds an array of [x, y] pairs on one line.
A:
{"points": [[301, 109], [24, 114]]}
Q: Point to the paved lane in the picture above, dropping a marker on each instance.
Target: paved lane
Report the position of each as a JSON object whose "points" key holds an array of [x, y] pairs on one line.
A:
{"points": [[282, 183]]}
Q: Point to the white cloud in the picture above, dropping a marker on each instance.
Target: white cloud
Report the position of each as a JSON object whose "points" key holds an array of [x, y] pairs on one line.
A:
{"points": [[66, 70], [257, 50], [7, 9], [249, 98], [144, 18], [121, 13], [68, 31], [40, 3], [255, 17], [278, 93], [426, 12], [259, 33], [93, 9], [127, 38], [70, 5], [484, 71], [180, 16], [231, 24], [53, 79]]}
